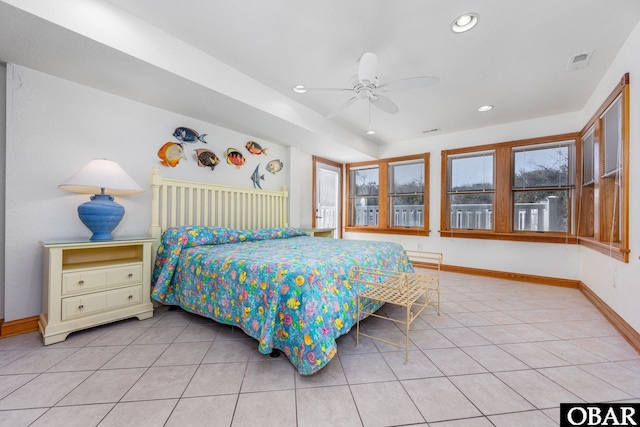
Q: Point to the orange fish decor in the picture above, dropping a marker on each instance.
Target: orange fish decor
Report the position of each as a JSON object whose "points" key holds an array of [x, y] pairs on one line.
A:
{"points": [[234, 157], [171, 153], [255, 148]]}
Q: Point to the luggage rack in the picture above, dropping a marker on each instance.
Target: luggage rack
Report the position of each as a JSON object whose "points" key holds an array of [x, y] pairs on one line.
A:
{"points": [[407, 290]]}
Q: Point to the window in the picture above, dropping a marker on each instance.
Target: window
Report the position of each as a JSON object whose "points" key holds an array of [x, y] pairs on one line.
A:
{"points": [[363, 196], [603, 214], [406, 193], [520, 190], [389, 196], [470, 190], [543, 186]]}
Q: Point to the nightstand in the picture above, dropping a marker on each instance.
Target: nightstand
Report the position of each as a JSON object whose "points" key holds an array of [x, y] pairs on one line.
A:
{"points": [[88, 283], [319, 232]]}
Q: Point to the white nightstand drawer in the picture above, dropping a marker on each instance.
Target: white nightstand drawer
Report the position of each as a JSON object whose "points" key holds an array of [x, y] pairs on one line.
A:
{"points": [[92, 303], [126, 296], [80, 281], [83, 305]]}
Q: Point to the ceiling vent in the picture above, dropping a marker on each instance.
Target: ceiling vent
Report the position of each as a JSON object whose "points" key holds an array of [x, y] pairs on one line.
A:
{"points": [[431, 130], [579, 61]]}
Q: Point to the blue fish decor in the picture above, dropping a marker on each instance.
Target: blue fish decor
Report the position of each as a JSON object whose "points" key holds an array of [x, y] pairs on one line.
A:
{"points": [[256, 177], [189, 135]]}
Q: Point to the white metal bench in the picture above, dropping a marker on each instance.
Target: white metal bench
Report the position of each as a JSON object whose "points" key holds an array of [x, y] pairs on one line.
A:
{"points": [[414, 291]]}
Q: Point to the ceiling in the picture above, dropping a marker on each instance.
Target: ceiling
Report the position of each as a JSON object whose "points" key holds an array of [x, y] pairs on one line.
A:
{"points": [[514, 59]]}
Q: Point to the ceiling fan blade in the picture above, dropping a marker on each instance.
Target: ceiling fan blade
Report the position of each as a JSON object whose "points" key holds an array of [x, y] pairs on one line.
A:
{"points": [[340, 108], [367, 67], [384, 103], [409, 83]]}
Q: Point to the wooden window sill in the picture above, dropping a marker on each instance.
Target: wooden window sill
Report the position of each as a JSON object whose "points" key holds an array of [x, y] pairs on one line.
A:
{"points": [[398, 230], [615, 251], [547, 237]]}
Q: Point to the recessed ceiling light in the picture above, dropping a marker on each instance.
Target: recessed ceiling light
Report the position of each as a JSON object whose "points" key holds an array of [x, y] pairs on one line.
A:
{"points": [[485, 108], [370, 132], [299, 89], [465, 22]]}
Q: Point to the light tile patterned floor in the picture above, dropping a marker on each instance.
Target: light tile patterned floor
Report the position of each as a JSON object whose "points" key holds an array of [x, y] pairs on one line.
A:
{"points": [[502, 353]]}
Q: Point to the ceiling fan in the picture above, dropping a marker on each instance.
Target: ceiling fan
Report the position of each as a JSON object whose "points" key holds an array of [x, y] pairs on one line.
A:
{"points": [[366, 85]]}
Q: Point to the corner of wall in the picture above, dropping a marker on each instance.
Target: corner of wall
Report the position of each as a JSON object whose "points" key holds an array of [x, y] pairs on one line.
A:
{"points": [[3, 145]]}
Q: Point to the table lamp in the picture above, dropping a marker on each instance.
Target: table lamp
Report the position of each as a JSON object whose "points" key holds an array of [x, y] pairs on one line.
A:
{"points": [[104, 179]]}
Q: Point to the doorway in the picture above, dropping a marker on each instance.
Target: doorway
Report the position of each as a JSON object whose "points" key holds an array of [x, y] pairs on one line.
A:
{"points": [[327, 195]]}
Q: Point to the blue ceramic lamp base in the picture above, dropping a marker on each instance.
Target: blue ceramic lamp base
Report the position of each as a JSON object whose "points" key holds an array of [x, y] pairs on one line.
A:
{"points": [[101, 215]]}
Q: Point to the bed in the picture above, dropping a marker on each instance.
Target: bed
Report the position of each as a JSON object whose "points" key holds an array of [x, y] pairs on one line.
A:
{"points": [[286, 289]]}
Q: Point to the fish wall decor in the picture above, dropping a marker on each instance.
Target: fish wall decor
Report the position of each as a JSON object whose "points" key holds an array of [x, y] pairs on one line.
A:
{"points": [[189, 135], [256, 177], [171, 153], [274, 166], [255, 148], [234, 157], [206, 158]]}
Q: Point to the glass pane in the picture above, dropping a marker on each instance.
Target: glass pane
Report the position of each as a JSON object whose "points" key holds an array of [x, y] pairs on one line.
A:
{"points": [[541, 211], [612, 137], [541, 167], [587, 159], [327, 196], [407, 211], [471, 211], [471, 173], [406, 178], [364, 182], [364, 211]]}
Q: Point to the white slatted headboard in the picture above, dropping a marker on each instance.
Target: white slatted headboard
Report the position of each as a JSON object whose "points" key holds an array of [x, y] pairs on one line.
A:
{"points": [[176, 202]]}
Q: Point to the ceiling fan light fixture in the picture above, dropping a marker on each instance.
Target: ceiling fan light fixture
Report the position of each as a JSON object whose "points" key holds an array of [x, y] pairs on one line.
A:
{"points": [[465, 22], [299, 89], [485, 108]]}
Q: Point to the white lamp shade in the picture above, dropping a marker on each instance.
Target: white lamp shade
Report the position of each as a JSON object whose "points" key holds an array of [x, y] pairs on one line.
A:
{"points": [[101, 174]]}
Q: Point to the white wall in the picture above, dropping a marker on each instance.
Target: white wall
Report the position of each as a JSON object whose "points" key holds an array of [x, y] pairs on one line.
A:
{"points": [[300, 180], [3, 144], [54, 127], [615, 282]]}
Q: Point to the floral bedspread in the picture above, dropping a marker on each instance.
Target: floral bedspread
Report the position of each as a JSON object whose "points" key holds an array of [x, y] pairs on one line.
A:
{"points": [[282, 287]]}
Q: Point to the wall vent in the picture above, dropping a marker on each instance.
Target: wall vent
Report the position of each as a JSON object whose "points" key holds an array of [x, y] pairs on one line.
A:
{"points": [[579, 61]]}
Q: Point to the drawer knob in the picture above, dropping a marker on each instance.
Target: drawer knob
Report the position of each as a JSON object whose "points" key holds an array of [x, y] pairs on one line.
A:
{"points": [[130, 275], [130, 296], [81, 282], [80, 307]]}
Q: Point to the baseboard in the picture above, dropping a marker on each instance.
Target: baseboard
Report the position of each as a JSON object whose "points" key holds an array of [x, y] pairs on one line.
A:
{"points": [[19, 326], [628, 333], [520, 277]]}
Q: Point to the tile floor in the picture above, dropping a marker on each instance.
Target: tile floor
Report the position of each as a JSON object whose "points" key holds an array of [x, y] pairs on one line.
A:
{"points": [[501, 353]]}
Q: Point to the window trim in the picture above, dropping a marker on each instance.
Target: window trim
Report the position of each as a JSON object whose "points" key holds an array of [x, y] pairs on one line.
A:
{"points": [[591, 208], [503, 196], [383, 197]]}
